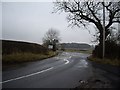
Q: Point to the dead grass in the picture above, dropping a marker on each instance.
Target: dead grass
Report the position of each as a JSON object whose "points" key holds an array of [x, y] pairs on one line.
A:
{"points": [[114, 62], [25, 57]]}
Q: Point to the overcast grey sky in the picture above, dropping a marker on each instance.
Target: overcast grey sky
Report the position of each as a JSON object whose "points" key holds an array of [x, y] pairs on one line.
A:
{"points": [[29, 21]]}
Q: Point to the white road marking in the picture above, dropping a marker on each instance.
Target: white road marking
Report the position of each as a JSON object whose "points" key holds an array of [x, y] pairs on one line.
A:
{"points": [[26, 75], [70, 57], [66, 61]]}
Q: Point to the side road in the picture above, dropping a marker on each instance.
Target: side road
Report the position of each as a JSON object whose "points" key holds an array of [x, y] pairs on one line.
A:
{"points": [[109, 68], [105, 76], [111, 73]]}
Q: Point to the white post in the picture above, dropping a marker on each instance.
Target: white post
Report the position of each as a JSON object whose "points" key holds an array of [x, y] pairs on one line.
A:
{"points": [[103, 31]]}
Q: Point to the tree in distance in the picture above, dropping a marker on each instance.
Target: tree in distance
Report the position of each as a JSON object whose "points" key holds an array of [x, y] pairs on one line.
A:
{"points": [[51, 38]]}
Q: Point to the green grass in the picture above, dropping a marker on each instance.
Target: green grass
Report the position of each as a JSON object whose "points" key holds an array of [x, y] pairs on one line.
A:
{"points": [[25, 57], [79, 51], [114, 62]]}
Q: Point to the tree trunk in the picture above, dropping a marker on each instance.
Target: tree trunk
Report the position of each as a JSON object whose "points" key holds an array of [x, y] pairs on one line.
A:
{"points": [[100, 28], [99, 50], [107, 32], [54, 47]]}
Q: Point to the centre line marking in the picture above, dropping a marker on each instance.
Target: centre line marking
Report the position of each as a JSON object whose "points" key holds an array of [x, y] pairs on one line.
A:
{"points": [[67, 61], [26, 75]]}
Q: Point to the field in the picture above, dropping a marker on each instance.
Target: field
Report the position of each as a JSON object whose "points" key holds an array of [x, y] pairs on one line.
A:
{"points": [[19, 52], [79, 51]]}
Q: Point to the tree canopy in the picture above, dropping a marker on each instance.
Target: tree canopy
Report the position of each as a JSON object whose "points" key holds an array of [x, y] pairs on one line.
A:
{"points": [[90, 11]]}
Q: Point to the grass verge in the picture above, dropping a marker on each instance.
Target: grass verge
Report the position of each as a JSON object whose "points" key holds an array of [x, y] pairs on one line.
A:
{"points": [[114, 62], [25, 57]]}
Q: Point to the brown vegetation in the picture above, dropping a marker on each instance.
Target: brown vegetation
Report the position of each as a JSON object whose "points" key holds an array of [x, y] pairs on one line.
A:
{"points": [[19, 52]]}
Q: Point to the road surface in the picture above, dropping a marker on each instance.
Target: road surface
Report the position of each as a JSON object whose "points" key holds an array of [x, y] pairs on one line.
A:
{"points": [[62, 71]]}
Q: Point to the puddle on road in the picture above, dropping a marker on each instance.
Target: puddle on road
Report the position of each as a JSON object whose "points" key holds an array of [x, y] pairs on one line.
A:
{"points": [[83, 63]]}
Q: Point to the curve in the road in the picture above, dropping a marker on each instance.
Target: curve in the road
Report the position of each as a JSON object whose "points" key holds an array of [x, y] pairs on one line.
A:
{"points": [[63, 70]]}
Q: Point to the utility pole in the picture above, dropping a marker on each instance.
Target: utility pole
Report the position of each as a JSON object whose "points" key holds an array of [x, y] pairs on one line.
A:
{"points": [[103, 53]]}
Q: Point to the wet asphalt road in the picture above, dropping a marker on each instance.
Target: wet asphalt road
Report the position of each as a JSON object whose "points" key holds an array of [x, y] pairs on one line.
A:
{"points": [[62, 71]]}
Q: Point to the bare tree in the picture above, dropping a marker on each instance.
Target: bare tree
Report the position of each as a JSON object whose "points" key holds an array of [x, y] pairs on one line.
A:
{"points": [[90, 12], [51, 38]]}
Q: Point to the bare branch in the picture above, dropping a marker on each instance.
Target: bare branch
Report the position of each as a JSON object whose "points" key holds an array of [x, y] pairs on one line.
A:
{"points": [[80, 13], [92, 12]]}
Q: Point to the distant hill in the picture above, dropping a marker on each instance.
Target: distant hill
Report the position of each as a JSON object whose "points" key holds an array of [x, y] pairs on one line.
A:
{"points": [[79, 46], [9, 47]]}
